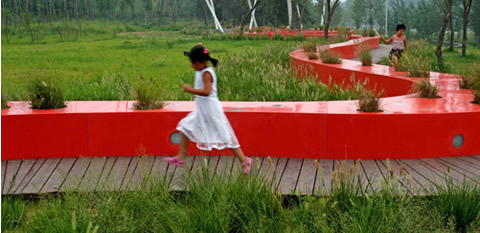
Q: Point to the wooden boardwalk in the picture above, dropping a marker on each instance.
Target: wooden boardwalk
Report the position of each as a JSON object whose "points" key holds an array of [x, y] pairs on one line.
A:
{"points": [[285, 175]]}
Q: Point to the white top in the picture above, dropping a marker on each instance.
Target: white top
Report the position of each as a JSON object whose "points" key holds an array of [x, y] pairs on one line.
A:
{"points": [[200, 85]]}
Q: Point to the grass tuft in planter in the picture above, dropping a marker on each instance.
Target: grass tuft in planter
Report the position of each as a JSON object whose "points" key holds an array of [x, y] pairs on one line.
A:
{"points": [[329, 58], [45, 93], [470, 78], [365, 54], [369, 102], [476, 97], [4, 101], [149, 94], [425, 89], [312, 56]]}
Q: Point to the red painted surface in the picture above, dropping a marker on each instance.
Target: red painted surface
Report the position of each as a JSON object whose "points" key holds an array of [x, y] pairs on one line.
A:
{"points": [[408, 127], [286, 32]]}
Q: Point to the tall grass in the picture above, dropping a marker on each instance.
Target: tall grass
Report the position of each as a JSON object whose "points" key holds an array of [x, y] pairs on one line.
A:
{"points": [[329, 58], [46, 93], [365, 54], [267, 76], [425, 89], [149, 94], [229, 202], [462, 202], [470, 78], [476, 97], [370, 102], [4, 100]]}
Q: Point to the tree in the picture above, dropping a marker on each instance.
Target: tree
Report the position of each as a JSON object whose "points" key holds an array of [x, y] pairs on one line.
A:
{"points": [[476, 21], [331, 6], [246, 16], [438, 52], [467, 6], [358, 13]]}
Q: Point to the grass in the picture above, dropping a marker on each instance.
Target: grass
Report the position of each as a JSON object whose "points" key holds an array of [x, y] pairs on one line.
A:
{"points": [[476, 97], [425, 89], [225, 202], [313, 56], [329, 58], [266, 76], [462, 202], [149, 94], [470, 78], [369, 101], [365, 55], [105, 62], [45, 93], [309, 46]]}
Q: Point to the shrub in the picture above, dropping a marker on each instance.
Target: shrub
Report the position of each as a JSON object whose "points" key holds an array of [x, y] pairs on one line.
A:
{"points": [[329, 58], [149, 94], [365, 55], [425, 89], [368, 102], [45, 94]]}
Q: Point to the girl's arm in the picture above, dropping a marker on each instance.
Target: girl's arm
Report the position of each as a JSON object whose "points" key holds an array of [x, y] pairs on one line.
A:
{"points": [[207, 83], [386, 41]]}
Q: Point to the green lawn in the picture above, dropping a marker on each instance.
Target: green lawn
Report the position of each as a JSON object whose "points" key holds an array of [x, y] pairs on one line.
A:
{"points": [[86, 60]]}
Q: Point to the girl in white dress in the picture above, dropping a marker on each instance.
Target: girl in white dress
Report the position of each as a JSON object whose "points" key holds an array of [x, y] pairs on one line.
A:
{"points": [[207, 125]]}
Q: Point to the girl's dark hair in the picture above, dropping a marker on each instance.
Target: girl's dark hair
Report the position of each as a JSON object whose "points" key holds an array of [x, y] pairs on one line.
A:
{"points": [[200, 54], [400, 26]]}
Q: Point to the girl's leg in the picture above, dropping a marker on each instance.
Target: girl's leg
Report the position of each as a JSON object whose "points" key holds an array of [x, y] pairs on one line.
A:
{"points": [[239, 154], [183, 146]]}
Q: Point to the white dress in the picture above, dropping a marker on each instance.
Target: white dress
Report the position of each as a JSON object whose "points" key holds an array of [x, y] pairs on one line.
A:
{"points": [[207, 125]]}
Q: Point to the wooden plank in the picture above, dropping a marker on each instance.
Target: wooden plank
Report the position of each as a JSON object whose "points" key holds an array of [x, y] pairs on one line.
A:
{"points": [[279, 172], [477, 157], [405, 176], [471, 161], [22, 172], [107, 169], [224, 168], [4, 169], [372, 173], [423, 176], [290, 176], [59, 175], [307, 177], [11, 175], [212, 165], [29, 176], [267, 169], [92, 174], [117, 174], [76, 175], [323, 181], [43, 174], [144, 172], [461, 166], [177, 176], [443, 170], [132, 166]]}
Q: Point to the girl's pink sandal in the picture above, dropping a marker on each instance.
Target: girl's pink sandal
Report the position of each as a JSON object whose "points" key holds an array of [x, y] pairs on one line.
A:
{"points": [[246, 170], [174, 160]]}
